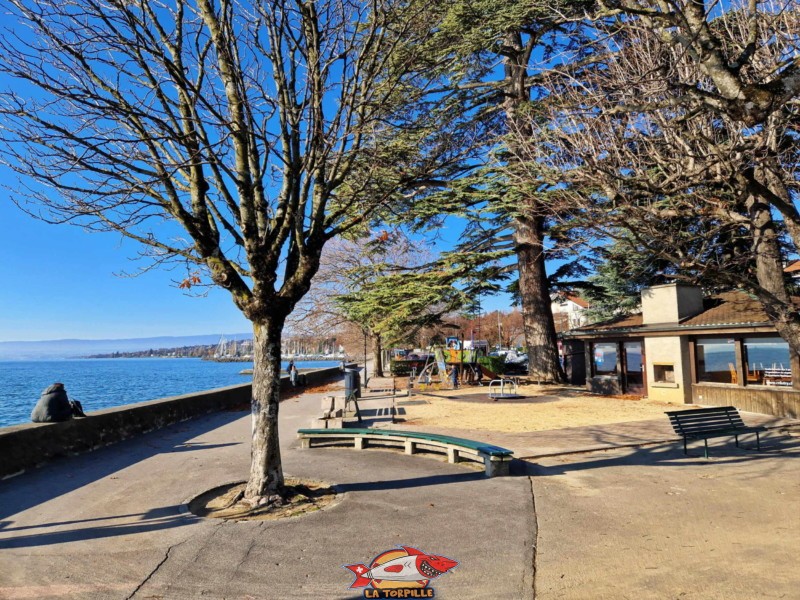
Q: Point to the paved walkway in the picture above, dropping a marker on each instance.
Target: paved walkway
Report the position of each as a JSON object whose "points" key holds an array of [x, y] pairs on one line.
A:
{"points": [[635, 522], [108, 524]]}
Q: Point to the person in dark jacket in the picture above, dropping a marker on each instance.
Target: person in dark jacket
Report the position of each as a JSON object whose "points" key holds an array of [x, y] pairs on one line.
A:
{"points": [[454, 374], [54, 405]]}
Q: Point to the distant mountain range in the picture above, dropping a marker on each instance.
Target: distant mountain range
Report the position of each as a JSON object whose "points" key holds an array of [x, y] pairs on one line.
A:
{"points": [[54, 349]]}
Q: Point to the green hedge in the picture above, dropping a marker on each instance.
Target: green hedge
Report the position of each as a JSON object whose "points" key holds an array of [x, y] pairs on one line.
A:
{"points": [[496, 364]]}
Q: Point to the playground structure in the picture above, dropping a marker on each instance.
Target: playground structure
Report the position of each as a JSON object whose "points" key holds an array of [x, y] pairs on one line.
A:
{"points": [[449, 368], [503, 389]]}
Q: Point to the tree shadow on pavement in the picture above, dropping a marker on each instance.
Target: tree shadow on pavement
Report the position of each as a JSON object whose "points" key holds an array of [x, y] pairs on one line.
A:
{"points": [[411, 482], [774, 446], [66, 474], [155, 519]]}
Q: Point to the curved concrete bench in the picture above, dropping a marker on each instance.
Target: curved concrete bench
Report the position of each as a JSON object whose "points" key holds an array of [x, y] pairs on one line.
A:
{"points": [[494, 459]]}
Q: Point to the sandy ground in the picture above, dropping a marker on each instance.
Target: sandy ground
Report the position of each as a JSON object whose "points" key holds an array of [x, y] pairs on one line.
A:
{"points": [[543, 408]]}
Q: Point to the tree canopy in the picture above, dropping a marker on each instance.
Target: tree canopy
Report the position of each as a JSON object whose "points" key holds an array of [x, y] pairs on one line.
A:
{"points": [[664, 139], [236, 138]]}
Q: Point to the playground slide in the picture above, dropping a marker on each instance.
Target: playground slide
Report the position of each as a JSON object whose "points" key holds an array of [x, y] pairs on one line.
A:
{"points": [[487, 373]]}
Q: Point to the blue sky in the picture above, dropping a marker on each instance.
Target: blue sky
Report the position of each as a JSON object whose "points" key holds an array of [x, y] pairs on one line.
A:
{"points": [[58, 281]]}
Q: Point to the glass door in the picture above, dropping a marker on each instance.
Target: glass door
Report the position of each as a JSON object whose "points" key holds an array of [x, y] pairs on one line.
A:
{"points": [[633, 362]]}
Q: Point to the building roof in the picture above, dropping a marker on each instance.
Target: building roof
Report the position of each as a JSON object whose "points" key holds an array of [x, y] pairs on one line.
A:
{"points": [[729, 308], [725, 310], [560, 297], [577, 300], [792, 267]]}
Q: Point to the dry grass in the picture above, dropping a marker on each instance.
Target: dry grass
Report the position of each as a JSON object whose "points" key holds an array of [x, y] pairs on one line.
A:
{"points": [[544, 408]]}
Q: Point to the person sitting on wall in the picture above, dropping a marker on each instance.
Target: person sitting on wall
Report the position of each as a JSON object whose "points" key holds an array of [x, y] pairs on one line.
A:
{"points": [[54, 405]]}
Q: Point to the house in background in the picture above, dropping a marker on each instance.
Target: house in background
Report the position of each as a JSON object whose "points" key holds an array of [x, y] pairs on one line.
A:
{"points": [[569, 311], [793, 269], [684, 348]]}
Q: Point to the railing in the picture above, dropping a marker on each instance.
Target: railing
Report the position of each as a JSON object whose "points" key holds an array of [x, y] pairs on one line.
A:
{"points": [[778, 376]]}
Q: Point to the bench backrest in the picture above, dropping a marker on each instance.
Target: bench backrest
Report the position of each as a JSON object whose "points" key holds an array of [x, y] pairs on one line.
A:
{"points": [[718, 418]]}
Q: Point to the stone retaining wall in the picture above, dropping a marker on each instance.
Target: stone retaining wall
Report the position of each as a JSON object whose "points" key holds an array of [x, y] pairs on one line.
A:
{"points": [[23, 447]]}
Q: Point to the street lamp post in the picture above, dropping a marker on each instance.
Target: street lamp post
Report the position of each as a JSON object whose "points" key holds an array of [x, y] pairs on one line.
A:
{"points": [[365, 360]]}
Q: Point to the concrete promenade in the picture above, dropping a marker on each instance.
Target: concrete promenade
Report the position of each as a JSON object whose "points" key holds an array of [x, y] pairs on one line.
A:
{"points": [[641, 521]]}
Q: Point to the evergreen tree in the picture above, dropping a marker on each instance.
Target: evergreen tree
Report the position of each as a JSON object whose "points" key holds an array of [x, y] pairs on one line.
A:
{"points": [[503, 47]]}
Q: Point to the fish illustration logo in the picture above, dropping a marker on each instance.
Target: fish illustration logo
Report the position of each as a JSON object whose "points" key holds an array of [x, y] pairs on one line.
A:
{"points": [[403, 567]]}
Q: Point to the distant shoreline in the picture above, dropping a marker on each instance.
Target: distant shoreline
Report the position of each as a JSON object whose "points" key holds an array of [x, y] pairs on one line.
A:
{"points": [[123, 355], [78, 358], [201, 351]]}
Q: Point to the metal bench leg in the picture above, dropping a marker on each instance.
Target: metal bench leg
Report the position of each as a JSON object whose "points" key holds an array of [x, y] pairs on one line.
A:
{"points": [[706, 443], [736, 437], [685, 451], [758, 442]]}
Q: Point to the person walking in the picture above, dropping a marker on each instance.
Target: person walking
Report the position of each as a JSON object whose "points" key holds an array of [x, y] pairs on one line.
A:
{"points": [[293, 374]]}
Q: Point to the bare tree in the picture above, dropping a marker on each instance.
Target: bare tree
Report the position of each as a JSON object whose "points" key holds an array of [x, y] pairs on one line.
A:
{"points": [[647, 147], [235, 137], [347, 266], [724, 40]]}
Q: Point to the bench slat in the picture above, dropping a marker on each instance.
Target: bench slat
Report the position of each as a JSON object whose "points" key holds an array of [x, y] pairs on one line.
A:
{"points": [[446, 439], [495, 460]]}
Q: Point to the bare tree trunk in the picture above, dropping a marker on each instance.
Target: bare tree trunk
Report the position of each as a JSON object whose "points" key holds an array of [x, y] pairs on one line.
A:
{"points": [[769, 273], [377, 353], [537, 315], [266, 473]]}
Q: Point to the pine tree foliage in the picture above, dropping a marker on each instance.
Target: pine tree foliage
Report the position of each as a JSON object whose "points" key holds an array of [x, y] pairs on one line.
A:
{"points": [[396, 305]]}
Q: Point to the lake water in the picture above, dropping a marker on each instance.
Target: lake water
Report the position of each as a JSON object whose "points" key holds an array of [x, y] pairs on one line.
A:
{"points": [[104, 383]]}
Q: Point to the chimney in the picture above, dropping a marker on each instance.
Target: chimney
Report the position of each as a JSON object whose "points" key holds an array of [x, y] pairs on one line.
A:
{"points": [[670, 303]]}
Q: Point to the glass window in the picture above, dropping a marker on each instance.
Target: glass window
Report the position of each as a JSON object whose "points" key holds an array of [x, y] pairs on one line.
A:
{"points": [[633, 357], [605, 358], [664, 373], [716, 360], [767, 361]]}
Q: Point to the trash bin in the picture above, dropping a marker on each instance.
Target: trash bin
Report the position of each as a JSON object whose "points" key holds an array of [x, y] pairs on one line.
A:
{"points": [[352, 383]]}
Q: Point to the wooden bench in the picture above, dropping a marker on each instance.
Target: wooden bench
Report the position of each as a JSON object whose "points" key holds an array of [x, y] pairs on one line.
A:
{"points": [[495, 460], [704, 423]]}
